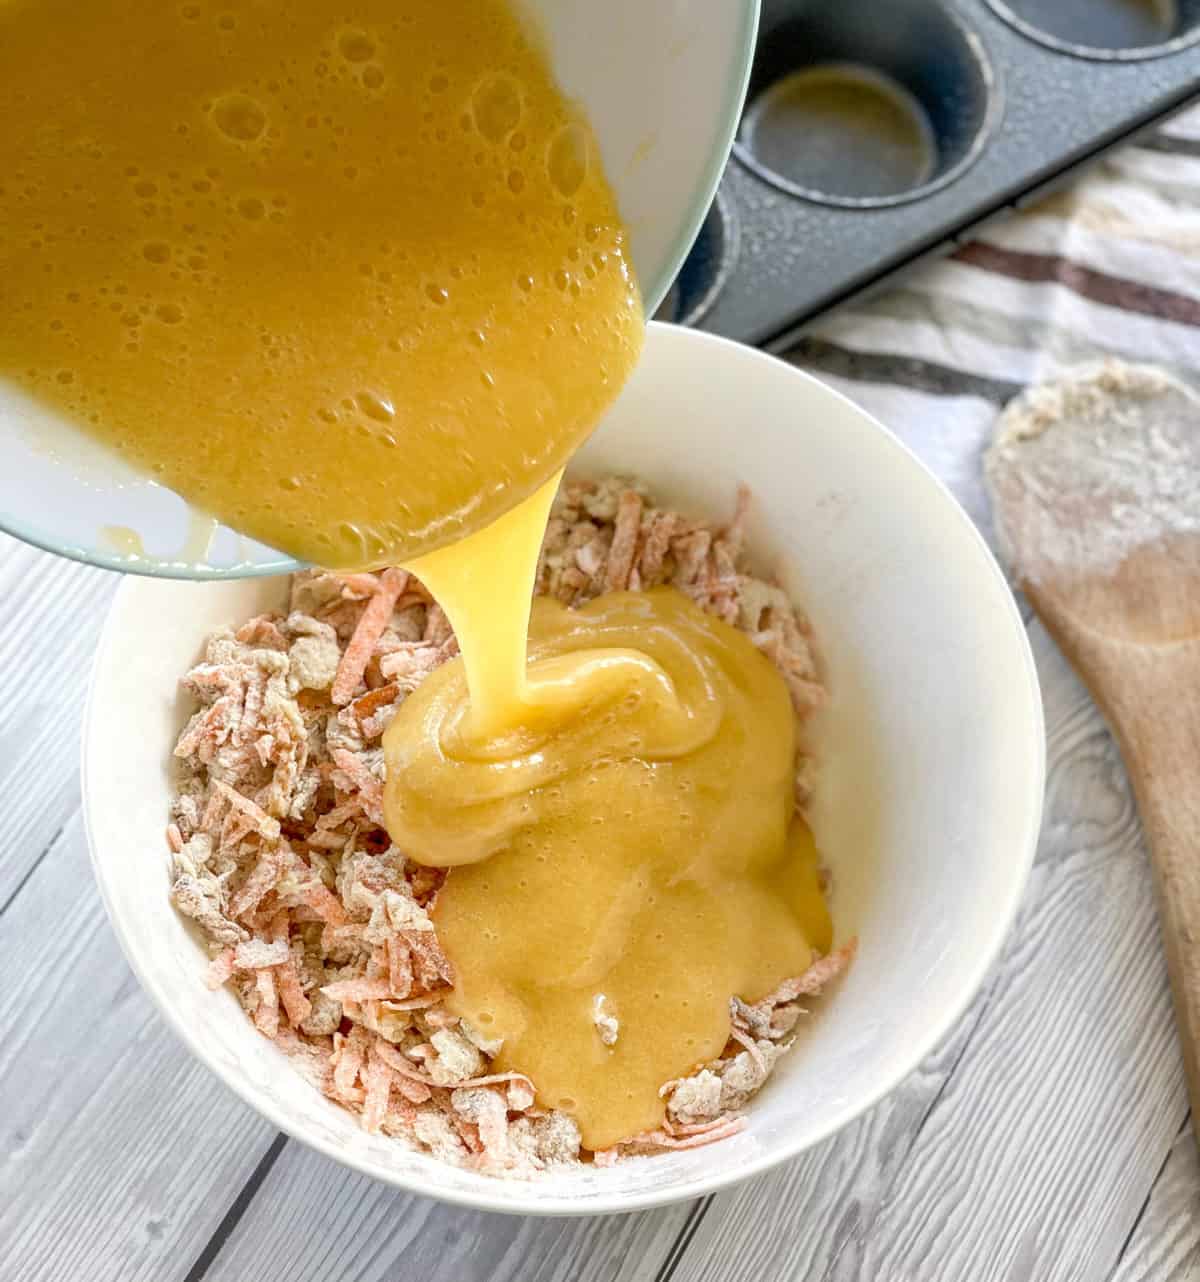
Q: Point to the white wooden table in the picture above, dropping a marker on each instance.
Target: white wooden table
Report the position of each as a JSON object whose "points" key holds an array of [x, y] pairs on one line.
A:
{"points": [[1047, 1139]]}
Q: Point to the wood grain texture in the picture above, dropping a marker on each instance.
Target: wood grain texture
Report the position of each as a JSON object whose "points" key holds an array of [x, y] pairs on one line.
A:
{"points": [[53, 612], [1165, 1246], [1025, 1165], [1025, 1147], [119, 1154], [1160, 743], [795, 1220], [314, 1220]]}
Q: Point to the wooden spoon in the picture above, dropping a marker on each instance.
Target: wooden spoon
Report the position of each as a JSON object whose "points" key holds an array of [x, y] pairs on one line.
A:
{"points": [[1095, 484]]}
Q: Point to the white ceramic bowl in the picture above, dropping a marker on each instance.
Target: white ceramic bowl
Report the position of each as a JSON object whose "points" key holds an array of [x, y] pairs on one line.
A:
{"points": [[929, 800], [662, 85]]}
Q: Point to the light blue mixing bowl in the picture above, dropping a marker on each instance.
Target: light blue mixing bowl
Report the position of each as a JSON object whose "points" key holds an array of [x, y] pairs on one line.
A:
{"points": [[663, 84]]}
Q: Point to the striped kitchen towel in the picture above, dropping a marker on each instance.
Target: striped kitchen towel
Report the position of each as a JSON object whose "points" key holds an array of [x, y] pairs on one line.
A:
{"points": [[1109, 267]]}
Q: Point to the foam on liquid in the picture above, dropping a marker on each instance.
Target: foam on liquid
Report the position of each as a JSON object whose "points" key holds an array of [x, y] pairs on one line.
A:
{"points": [[348, 277]]}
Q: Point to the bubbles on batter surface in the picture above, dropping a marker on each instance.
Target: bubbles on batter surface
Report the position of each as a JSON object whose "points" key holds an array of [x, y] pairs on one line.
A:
{"points": [[497, 107], [567, 159], [355, 46], [205, 212], [375, 407], [239, 117]]}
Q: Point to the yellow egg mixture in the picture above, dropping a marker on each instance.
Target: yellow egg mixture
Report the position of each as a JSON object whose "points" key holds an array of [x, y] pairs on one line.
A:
{"points": [[348, 277], [351, 278], [619, 817]]}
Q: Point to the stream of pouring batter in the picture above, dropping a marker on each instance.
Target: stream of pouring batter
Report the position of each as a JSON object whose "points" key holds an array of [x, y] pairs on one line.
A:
{"points": [[617, 811], [485, 585]]}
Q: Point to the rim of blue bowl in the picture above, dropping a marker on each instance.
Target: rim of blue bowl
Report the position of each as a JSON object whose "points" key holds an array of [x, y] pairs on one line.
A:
{"points": [[653, 292]]}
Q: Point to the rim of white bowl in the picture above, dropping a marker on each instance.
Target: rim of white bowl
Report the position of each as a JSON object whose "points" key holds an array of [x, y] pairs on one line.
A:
{"points": [[968, 983], [705, 190], [654, 291]]}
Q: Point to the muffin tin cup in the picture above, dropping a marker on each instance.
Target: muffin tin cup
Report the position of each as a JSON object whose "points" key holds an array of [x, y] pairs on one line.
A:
{"points": [[706, 269], [851, 109], [1105, 30], [879, 137]]}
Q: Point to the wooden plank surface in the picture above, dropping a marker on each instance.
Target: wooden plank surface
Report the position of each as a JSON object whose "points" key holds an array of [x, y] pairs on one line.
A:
{"points": [[316, 1221], [1165, 1245], [1040, 1141], [53, 612], [119, 1154]]}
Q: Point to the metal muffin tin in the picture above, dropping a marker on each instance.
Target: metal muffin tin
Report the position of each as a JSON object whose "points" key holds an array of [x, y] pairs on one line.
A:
{"points": [[877, 133]]}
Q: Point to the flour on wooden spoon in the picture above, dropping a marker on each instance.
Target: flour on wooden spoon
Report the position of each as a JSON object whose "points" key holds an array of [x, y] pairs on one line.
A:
{"points": [[1086, 471], [1095, 483]]}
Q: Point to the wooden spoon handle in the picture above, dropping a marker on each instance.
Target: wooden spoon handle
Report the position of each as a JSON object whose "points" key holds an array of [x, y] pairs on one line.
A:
{"points": [[1152, 699]]}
